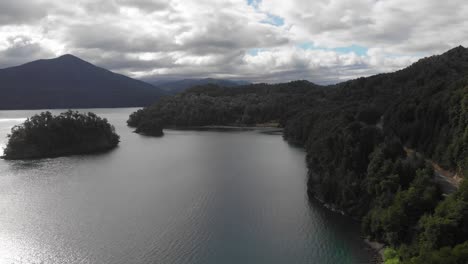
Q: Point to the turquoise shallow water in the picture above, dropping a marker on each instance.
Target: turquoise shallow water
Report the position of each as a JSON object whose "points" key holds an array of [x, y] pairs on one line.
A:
{"points": [[188, 197]]}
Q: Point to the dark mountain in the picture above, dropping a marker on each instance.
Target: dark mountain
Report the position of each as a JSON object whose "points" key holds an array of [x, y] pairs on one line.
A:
{"points": [[69, 82], [177, 86]]}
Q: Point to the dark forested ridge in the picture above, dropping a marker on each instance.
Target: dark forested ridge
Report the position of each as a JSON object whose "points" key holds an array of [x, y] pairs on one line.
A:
{"points": [[69, 82], [177, 86], [214, 105], [44, 135], [354, 134]]}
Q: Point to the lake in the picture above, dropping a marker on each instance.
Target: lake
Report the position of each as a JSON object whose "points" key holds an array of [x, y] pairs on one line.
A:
{"points": [[187, 197]]}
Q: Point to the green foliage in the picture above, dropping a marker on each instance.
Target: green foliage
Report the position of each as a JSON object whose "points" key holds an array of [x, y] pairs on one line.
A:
{"points": [[456, 154], [449, 224], [340, 159], [457, 254], [45, 135], [392, 220], [150, 127], [391, 256], [435, 124], [369, 116]]}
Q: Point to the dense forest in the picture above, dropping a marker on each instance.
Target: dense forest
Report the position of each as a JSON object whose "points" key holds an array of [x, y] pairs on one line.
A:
{"points": [[355, 134], [46, 135]]}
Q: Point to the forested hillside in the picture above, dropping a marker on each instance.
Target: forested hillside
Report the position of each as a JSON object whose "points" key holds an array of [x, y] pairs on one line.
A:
{"points": [[354, 133], [177, 86]]}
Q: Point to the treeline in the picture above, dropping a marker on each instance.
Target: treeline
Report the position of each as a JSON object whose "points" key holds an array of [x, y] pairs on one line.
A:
{"points": [[46, 135], [354, 134], [214, 105]]}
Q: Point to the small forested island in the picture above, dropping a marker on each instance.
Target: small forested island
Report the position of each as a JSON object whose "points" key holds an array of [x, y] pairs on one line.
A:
{"points": [[45, 135], [148, 126], [372, 146]]}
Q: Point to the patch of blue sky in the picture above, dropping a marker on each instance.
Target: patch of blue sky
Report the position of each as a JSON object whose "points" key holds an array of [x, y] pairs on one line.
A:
{"points": [[274, 20], [307, 45], [359, 50], [254, 52], [253, 3], [271, 19]]}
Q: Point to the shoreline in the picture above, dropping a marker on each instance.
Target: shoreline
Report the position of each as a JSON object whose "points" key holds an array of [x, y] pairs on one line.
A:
{"points": [[59, 155], [262, 129], [377, 251], [375, 248]]}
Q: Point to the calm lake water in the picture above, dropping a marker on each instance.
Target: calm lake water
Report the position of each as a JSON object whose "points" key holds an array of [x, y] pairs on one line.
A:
{"points": [[189, 197]]}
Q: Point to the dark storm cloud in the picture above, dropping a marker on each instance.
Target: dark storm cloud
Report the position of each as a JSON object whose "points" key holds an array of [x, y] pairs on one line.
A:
{"points": [[123, 63], [21, 50], [21, 11], [109, 37], [225, 37], [100, 7], [146, 5]]}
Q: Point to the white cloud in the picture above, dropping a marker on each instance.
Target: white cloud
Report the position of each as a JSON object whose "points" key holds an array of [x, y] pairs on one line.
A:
{"points": [[321, 66], [230, 38], [398, 26]]}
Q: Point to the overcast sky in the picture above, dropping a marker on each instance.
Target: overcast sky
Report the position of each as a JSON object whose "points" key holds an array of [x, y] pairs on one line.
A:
{"points": [[324, 41]]}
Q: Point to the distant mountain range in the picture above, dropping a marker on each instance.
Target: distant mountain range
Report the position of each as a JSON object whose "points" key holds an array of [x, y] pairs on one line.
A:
{"points": [[69, 82], [177, 86]]}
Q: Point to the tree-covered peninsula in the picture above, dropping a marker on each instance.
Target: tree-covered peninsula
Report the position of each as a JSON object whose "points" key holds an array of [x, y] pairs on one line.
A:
{"points": [[372, 145], [45, 135]]}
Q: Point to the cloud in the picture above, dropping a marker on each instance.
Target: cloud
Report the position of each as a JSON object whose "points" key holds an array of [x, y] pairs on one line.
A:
{"points": [[116, 38], [125, 63], [21, 49], [323, 67], [425, 26], [146, 5], [21, 11], [323, 41]]}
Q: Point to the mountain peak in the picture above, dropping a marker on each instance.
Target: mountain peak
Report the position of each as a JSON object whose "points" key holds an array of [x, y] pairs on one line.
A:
{"points": [[457, 50], [70, 82], [460, 47], [67, 56]]}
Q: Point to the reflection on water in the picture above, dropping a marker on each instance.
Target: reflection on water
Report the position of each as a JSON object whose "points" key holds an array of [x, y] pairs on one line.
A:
{"points": [[26, 165], [188, 197], [12, 120]]}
